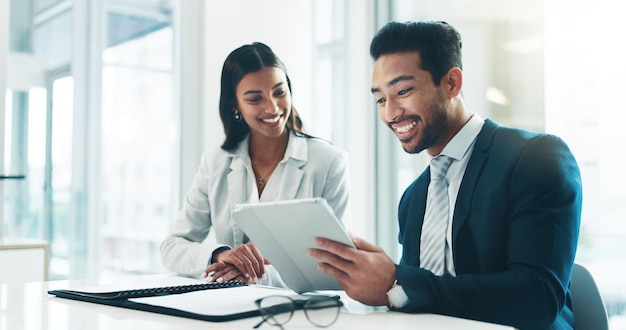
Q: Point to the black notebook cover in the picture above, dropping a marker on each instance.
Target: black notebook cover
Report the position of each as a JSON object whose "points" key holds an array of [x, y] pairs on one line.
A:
{"points": [[215, 302], [121, 299]]}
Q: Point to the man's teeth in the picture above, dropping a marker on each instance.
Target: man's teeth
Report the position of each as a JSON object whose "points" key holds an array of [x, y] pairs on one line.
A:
{"points": [[405, 128], [271, 120]]}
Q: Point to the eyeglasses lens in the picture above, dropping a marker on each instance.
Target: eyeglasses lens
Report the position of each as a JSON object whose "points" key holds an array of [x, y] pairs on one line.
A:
{"points": [[322, 311], [277, 310]]}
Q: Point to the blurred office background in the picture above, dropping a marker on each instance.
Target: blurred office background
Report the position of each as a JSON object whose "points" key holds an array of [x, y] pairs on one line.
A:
{"points": [[110, 103]]}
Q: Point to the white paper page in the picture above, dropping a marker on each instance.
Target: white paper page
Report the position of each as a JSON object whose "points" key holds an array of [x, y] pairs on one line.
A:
{"points": [[216, 301]]}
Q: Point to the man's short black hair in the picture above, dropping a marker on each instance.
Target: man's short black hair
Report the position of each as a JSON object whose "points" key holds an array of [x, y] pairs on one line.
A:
{"points": [[437, 42]]}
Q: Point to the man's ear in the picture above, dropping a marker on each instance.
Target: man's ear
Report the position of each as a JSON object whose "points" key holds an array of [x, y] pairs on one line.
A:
{"points": [[453, 81]]}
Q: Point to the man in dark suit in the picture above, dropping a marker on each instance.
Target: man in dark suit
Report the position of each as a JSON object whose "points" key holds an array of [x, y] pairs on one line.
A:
{"points": [[513, 213]]}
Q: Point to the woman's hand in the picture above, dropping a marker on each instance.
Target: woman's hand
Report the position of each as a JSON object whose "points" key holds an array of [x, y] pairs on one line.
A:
{"points": [[221, 272], [244, 263]]}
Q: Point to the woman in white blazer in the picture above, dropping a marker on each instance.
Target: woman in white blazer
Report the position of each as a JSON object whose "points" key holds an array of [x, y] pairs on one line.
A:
{"points": [[265, 157]]}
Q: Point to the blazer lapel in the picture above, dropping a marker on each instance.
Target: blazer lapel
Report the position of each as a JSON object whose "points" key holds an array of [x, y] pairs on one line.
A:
{"points": [[419, 203], [297, 156], [237, 183], [237, 190], [472, 173]]}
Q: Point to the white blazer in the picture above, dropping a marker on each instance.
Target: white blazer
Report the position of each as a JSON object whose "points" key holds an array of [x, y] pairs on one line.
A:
{"points": [[311, 168]]}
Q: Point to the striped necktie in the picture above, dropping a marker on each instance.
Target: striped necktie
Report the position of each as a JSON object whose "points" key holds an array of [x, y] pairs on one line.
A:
{"points": [[433, 240]]}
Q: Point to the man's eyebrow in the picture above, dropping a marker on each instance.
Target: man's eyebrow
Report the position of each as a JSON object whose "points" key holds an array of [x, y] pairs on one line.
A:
{"points": [[394, 81], [259, 92]]}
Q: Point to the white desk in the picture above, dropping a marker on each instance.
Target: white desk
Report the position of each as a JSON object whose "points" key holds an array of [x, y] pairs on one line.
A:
{"points": [[28, 306], [23, 260]]}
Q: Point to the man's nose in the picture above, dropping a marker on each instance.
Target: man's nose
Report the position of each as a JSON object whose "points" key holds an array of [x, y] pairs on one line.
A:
{"points": [[391, 111]]}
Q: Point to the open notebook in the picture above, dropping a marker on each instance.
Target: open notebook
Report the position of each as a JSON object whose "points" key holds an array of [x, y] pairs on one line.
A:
{"points": [[215, 302]]}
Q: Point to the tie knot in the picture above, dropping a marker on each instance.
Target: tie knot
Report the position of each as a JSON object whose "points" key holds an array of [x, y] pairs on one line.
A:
{"points": [[439, 166]]}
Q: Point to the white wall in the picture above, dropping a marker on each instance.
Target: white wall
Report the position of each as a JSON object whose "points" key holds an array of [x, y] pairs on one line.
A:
{"points": [[189, 27], [362, 118], [230, 24]]}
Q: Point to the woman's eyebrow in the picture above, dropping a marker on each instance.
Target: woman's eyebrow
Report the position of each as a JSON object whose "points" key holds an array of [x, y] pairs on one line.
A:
{"points": [[254, 91]]}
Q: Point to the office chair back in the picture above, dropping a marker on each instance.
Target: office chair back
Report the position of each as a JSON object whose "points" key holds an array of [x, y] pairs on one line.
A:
{"points": [[588, 307]]}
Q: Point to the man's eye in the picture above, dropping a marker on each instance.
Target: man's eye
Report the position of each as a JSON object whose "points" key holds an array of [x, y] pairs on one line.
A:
{"points": [[380, 100], [404, 91]]}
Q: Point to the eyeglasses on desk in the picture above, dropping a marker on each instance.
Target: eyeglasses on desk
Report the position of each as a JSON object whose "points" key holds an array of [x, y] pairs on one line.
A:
{"points": [[321, 311]]}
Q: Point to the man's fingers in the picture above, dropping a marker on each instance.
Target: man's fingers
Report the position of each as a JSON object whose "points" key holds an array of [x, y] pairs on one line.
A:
{"points": [[364, 245], [331, 259], [341, 276], [337, 248]]}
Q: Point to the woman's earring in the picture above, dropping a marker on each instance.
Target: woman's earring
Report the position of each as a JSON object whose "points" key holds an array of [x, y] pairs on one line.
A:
{"points": [[237, 115]]}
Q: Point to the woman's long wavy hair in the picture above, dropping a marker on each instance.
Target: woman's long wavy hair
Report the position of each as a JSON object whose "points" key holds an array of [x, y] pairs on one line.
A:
{"points": [[243, 60]]}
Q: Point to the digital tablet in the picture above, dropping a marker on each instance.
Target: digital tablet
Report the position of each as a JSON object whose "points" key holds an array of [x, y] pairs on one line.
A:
{"points": [[285, 230]]}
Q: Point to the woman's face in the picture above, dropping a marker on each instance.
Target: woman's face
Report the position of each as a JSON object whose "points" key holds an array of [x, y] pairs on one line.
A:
{"points": [[264, 101]]}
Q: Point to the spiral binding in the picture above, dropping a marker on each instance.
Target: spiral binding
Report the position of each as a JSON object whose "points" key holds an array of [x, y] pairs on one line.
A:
{"points": [[151, 292]]}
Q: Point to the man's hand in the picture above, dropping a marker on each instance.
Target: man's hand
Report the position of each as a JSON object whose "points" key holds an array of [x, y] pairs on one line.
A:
{"points": [[365, 273], [244, 263]]}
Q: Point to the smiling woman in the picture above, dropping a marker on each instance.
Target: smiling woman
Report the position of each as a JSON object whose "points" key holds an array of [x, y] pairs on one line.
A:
{"points": [[264, 101], [265, 156]]}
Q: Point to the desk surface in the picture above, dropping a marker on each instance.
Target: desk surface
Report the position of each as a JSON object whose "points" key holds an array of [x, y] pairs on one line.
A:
{"points": [[21, 243], [28, 306]]}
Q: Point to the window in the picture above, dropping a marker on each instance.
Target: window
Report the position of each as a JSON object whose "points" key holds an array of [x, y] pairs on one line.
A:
{"points": [[95, 130], [329, 70], [139, 142]]}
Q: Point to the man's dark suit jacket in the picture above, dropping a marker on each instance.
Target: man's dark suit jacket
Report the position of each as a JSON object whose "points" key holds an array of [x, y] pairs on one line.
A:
{"points": [[514, 234]]}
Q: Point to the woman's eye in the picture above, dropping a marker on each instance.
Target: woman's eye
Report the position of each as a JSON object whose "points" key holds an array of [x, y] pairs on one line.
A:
{"points": [[279, 93], [255, 99]]}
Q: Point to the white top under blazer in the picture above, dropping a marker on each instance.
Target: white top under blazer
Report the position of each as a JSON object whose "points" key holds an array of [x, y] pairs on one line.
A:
{"points": [[311, 167]]}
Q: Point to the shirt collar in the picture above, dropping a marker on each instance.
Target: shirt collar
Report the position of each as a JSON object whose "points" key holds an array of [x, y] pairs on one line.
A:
{"points": [[464, 139], [296, 148]]}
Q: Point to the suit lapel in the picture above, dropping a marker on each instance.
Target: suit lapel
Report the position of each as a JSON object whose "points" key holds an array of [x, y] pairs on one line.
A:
{"points": [[421, 187], [472, 173]]}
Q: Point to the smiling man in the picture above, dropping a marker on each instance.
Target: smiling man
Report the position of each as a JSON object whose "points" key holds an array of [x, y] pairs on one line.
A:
{"points": [[489, 230]]}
